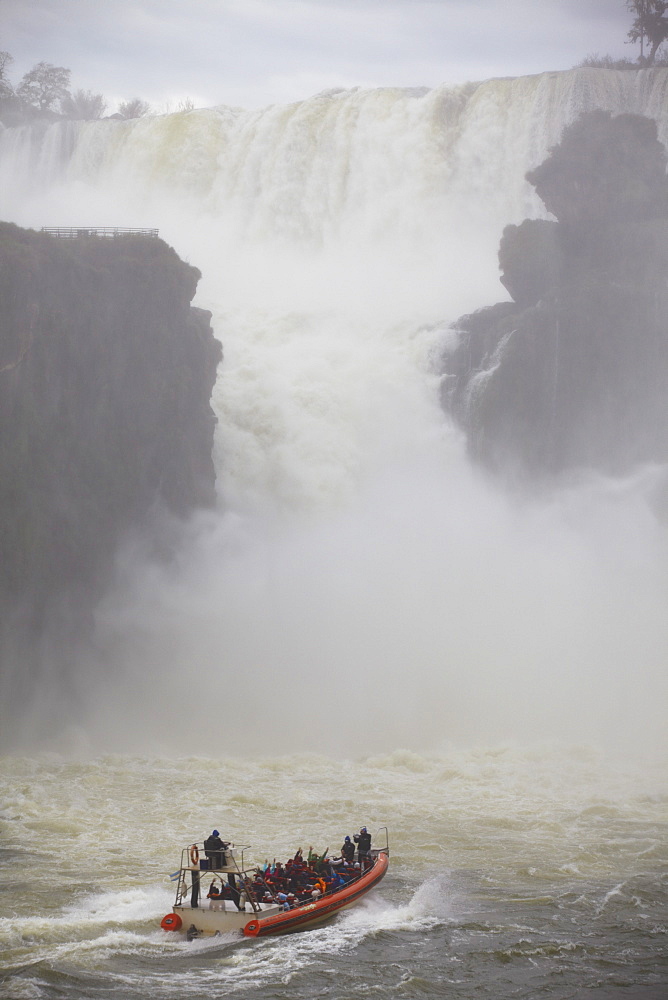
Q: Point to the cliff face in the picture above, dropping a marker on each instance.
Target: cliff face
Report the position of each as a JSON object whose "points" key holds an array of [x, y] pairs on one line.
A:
{"points": [[106, 373], [574, 372]]}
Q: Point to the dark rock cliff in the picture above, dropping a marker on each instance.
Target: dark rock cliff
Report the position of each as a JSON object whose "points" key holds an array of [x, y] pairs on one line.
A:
{"points": [[106, 373], [573, 373]]}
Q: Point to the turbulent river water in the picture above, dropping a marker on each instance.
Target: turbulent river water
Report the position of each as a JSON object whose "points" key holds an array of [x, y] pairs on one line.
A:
{"points": [[514, 873], [360, 589]]}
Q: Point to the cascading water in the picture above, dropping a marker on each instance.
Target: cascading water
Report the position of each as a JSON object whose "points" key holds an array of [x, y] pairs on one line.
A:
{"points": [[360, 587], [338, 237]]}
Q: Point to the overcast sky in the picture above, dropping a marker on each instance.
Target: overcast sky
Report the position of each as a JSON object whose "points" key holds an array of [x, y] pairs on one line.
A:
{"points": [[257, 52]]}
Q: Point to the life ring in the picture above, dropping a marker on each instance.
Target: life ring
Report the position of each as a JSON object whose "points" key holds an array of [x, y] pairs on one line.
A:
{"points": [[194, 856], [252, 928], [172, 922]]}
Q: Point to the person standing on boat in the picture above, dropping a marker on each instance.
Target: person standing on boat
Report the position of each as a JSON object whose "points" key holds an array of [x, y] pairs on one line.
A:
{"points": [[348, 850], [215, 896], [363, 841], [214, 848]]}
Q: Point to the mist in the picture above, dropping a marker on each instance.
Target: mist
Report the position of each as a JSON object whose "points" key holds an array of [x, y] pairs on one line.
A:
{"points": [[360, 585]]}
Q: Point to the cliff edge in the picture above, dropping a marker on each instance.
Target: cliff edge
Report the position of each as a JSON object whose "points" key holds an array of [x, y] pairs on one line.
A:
{"points": [[106, 372], [573, 373]]}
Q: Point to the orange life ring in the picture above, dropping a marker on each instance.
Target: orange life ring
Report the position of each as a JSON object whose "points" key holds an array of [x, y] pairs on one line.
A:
{"points": [[251, 929], [172, 922], [194, 855]]}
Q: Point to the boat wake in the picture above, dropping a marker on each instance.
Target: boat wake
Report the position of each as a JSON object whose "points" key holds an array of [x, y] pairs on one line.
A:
{"points": [[110, 925]]}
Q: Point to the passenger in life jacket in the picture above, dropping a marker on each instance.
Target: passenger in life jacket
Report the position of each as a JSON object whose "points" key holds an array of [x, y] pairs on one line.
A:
{"points": [[258, 885], [348, 850], [215, 896], [279, 877]]}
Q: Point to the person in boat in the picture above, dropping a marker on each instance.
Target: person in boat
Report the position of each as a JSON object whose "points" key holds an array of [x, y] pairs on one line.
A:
{"points": [[215, 896], [214, 848], [279, 877], [235, 893], [348, 850], [349, 873], [258, 885], [322, 885], [363, 841], [337, 881]]}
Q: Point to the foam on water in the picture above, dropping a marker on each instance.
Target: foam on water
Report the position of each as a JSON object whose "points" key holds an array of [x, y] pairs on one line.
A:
{"points": [[354, 546], [361, 591], [494, 852]]}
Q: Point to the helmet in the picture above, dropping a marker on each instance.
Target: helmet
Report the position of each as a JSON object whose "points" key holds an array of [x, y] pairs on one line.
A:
{"points": [[215, 834], [363, 830], [348, 839]]}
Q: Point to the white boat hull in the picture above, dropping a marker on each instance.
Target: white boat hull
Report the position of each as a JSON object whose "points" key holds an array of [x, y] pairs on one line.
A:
{"points": [[224, 919]]}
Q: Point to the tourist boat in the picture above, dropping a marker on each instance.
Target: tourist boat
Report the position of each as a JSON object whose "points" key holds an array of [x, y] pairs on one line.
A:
{"points": [[195, 915]]}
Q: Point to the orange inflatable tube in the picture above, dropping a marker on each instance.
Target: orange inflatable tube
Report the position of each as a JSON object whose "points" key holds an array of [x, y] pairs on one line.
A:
{"points": [[301, 916]]}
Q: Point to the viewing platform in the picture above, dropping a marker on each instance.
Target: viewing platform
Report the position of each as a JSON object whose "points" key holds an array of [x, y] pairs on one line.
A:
{"points": [[105, 232]]}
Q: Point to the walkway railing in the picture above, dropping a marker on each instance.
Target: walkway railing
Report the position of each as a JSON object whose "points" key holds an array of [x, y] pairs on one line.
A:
{"points": [[105, 232]]}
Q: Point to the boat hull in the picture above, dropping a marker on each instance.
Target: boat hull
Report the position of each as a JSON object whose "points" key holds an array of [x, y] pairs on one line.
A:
{"points": [[261, 919], [311, 914], [226, 920]]}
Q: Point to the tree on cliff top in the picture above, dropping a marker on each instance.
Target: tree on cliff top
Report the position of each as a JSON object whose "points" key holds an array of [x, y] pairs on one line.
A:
{"points": [[83, 105], [44, 85], [135, 108], [6, 89], [651, 23]]}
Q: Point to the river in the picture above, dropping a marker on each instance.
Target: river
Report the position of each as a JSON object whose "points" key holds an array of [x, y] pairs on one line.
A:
{"points": [[514, 873], [366, 631]]}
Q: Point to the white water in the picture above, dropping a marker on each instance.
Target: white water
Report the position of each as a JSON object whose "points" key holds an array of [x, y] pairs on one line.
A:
{"points": [[361, 586], [496, 855]]}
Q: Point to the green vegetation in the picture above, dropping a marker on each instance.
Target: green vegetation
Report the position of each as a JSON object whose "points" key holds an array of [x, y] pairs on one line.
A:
{"points": [[44, 91], [136, 108], [649, 28], [83, 105], [44, 86]]}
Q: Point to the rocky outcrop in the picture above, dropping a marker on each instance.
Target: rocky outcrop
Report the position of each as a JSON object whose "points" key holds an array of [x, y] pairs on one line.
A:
{"points": [[574, 372], [106, 372]]}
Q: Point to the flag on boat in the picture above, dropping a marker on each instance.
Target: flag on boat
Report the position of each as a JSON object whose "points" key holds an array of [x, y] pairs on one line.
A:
{"points": [[173, 877]]}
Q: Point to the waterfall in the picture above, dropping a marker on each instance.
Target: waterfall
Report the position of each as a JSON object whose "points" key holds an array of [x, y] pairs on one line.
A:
{"points": [[338, 238], [357, 222]]}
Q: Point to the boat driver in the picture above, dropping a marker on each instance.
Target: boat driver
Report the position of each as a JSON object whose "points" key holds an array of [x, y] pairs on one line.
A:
{"points": [[214, 848]]}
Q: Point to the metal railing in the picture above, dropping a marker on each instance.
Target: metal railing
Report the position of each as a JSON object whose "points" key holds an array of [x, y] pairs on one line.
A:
{"points": [[233, 866], [104, 232]]}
